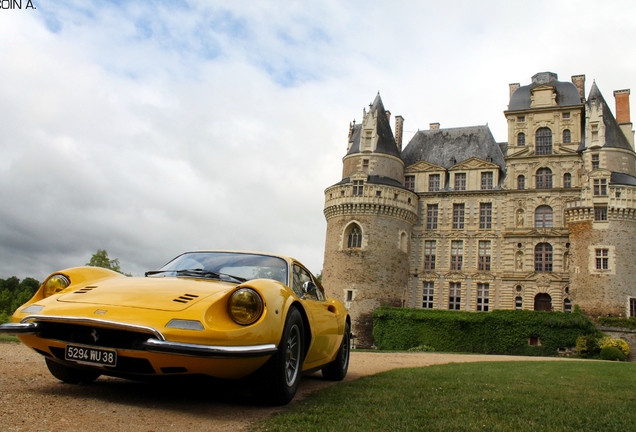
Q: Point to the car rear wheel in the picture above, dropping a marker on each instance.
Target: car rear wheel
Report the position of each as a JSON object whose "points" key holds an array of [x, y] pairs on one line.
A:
{"points": [[337, 369], [69, 374], [280, 376]]}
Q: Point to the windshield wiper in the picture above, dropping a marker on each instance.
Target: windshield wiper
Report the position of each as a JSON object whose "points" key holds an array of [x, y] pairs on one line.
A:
{"points": [[198, 273]]}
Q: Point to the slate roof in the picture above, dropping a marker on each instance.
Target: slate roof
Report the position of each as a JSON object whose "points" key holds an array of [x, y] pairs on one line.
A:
{"points": [[614, 136], [566, 92], [375, 179], [617, 178], [386, 141], [441, 146]]}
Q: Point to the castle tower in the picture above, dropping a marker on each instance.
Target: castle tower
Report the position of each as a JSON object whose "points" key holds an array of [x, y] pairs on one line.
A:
{"points": [[370, 216], [602, 222]]}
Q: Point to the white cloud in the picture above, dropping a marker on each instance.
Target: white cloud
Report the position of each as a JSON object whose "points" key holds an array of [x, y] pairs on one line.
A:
{"points": [[150, 128]]}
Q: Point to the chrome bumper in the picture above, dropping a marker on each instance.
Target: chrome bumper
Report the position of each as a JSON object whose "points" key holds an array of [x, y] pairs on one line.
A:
{"points": [[18, 328]]}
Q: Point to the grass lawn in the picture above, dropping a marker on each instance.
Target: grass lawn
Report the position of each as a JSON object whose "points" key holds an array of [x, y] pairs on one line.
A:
{"points": [[514, 396]]}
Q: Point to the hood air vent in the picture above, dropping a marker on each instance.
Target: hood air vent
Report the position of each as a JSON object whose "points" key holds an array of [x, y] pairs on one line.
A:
{"points": [[186, 298], [85, 290]]}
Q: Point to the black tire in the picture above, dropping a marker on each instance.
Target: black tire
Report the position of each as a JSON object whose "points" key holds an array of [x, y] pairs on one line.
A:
{"points": [[337, 369], [278, 380], [69, 374]]}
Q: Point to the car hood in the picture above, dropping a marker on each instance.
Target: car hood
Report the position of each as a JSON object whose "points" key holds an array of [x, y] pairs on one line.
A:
{"points": [[166, 294]]}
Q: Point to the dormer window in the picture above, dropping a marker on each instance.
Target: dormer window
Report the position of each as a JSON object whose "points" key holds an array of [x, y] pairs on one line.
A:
{"points": [[453, 161], [600, 187], [358, 187], [594, 131], [595, 161]]}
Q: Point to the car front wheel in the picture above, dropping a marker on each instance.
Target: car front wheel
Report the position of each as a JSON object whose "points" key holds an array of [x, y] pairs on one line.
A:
{"points": [[69, 374], [280, 376]]}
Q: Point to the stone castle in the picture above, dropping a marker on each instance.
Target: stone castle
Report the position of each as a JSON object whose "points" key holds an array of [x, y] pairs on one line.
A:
{"points": [[457, 221]]}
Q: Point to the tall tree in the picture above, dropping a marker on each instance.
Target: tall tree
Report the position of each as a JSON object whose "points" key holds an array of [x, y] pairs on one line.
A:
{"points": [[100, 259]]}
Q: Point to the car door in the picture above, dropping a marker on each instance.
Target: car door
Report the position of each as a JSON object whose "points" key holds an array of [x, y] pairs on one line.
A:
{"points": [[322, 318]]}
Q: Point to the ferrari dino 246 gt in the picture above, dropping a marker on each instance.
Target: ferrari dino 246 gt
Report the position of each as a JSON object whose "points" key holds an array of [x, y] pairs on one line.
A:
{"points": [[227, 315]]}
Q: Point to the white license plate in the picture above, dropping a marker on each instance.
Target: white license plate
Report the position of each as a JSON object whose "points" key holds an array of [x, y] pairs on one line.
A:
{"points": [[90, 355]]}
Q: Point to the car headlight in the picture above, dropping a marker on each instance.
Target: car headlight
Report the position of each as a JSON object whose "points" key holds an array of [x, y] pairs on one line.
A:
{"points": [[55, 284], [245, 306]]}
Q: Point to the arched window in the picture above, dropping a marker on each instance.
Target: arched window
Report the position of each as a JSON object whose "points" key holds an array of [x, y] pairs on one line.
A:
{"points": [[544, 178], [543, 302], [567, 180], [521, 182], [567, 136], [521, 139], [544, 141], [354, 239], [543, 217], [543, 257]]}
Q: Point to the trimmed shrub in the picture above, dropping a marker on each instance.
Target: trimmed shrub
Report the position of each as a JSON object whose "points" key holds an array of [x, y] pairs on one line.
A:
{"points": [[608, 341], [612, 353], [496, 332]]}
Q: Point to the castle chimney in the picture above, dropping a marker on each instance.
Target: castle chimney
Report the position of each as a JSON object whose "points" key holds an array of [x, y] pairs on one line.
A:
{"points": [[399, 127], [623, 116], [579, 82], [433, 126], [513, 87]]}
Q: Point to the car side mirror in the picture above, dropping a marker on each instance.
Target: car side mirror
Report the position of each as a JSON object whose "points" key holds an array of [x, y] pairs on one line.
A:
{"points": [[309, 288]]}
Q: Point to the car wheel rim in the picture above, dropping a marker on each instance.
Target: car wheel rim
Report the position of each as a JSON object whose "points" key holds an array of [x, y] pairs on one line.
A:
{"points": [[345, 351], [292, 356]]}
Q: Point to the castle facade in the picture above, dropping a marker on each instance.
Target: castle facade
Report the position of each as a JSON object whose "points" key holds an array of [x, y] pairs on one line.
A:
{"points": [[455, 220]]}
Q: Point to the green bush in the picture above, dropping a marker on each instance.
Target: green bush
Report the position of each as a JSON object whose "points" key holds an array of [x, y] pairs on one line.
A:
{"points": [[587, 346], [629, 323], [496, 332], [612, 353]]}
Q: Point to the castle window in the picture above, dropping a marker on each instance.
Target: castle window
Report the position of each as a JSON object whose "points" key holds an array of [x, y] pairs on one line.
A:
{"points": [[460, 181], [567, 136], [567, 180], [594, 130], [457, 254], [566, 115], [486, 180], [567, 306], [433, 183], [595, 161], [600, 213], [349, 295], [600, 187], [485, 215], [365, 165], [543, 217], [544, 141], [427, 295], [521, 139], [378, 193], [431, 216], [409, 182], [542, 302], [483, 263], [483, 294], [354, 239], [455, 296], [602, 259], [358, 187], [430, 247], [458, 216], [543, 257], [518, 303], [544, 178], [521, 119], [453, 161], [404, 244], [521, 182], [632, 307]]}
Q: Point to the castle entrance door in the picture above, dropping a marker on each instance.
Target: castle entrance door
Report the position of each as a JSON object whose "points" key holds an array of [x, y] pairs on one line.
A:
{"points": [[543, 302]]}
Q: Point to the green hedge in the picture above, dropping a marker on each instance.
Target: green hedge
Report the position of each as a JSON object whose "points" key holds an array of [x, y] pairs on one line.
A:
{"points": [[496, 332], [629, 323]]}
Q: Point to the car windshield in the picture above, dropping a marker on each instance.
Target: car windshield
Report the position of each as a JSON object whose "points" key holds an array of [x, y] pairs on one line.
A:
{"points": [[231, 265]]}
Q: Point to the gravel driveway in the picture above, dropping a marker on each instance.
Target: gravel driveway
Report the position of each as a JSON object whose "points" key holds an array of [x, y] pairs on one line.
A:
{"points": [[32, 400]]}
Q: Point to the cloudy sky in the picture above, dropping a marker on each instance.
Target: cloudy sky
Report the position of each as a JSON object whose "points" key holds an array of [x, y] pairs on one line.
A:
{"points": [[148, 128]]}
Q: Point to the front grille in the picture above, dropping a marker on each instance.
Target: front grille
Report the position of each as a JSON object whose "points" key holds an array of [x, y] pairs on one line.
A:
{"points": [[92, 335], [125, 365]]}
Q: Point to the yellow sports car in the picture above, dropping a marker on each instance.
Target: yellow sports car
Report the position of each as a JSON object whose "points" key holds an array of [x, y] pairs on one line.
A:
{"points": [[217, 313]]}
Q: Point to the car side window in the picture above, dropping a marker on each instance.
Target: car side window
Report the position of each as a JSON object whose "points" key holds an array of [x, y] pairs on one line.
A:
{"points": [[300, 277]]}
